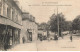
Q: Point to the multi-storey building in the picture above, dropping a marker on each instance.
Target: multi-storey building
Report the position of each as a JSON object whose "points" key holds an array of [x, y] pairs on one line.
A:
{"points": [[10, 23], [30, 27]]}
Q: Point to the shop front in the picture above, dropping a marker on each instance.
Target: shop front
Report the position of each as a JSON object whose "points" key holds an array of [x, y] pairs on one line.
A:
{"points": [[9, 36], [2, 36], [9, 33]]}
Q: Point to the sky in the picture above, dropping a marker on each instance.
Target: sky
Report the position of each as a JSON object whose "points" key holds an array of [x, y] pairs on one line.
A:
{"points": [[43, 13]]}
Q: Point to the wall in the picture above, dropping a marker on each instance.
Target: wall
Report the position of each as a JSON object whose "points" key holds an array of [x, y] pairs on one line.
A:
{"points": [[23, 32], [10, 11], [33, 27]]}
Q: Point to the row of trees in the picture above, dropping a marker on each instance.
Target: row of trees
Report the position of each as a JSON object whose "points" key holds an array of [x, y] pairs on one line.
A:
{"points": [[63, 24], [76, 23]]}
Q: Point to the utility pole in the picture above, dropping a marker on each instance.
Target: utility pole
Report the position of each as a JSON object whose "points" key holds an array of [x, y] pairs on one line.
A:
{"points": [[57, 21], [59, 30]]}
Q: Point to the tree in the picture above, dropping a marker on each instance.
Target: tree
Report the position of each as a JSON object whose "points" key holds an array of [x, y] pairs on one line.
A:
{"points": [[68, 26], [63, 24], [76, 23], [43, 26], [53, 22]]}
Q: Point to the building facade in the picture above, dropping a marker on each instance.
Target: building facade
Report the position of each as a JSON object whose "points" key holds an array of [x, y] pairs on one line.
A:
{"points": [[42, 34], [30, 28], [10, 23]]}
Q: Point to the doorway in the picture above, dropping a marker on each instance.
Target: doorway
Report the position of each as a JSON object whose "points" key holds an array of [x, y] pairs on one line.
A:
{"points": [[30, 36]]}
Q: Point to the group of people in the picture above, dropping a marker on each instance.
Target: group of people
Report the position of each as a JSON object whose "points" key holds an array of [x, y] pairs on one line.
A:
{"points": [[56, 37]]}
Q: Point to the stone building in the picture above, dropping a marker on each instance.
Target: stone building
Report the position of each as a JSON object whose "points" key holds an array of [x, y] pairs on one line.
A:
{"points": [[30, 28], [10, 24]]}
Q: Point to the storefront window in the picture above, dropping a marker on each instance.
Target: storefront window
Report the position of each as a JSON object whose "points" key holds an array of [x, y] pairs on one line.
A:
{"points": [[2, 35], [16, 36], [10, 36]]}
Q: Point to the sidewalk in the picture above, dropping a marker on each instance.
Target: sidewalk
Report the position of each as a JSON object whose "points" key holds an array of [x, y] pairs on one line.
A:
{"points": [[25, 47]]}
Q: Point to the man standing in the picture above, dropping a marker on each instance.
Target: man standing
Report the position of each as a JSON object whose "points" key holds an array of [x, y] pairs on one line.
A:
{"points": [[71, 38]]}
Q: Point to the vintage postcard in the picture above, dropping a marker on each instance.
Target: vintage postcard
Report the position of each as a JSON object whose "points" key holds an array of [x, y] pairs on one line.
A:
{"points": [[39, 25]]}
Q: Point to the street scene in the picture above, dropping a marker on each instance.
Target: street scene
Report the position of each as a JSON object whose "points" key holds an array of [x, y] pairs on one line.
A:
{"points": [[61, 45], [32, 25]]}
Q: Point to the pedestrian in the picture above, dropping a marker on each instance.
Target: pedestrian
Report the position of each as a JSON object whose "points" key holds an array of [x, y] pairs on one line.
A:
{"points": [[71, 38], [23, 40], [62, 36], [55, 37], [41, 38]]}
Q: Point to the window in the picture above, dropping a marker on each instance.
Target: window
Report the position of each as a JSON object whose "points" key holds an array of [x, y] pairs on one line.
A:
{"points": [[16, 18], [4, 9], [13, 14], [9, 12]]}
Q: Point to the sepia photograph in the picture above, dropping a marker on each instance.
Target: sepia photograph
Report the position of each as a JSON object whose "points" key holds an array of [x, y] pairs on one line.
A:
{"points": [[39, 25]]}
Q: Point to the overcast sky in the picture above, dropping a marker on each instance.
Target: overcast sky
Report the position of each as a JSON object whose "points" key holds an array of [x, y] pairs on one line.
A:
{"points": [[43, 13]]}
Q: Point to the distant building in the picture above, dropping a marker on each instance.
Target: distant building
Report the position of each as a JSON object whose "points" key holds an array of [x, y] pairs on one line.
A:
{"points": [[42, 33], [30, 28], [10, 23]]}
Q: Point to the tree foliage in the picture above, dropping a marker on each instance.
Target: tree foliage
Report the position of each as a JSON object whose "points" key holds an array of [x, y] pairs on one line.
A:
{"points": [[63, 24], [76, 23], [43, 26]]}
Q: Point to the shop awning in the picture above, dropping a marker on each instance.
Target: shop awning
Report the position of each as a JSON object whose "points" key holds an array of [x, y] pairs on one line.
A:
{"points": [[6, 21]]}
